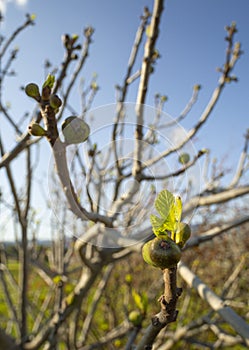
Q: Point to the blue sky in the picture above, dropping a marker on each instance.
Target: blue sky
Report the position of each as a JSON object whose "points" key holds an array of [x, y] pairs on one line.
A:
{"points": [[191, 45]]}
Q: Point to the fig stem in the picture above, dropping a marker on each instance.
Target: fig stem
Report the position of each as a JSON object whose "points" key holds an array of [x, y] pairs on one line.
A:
{"points": [[169, 299]]}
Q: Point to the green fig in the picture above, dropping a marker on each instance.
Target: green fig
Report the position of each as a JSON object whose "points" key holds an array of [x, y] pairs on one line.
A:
{"points": [[182, 234], [75, 130], [36, 130], [55, 102], [32, 90], [184, 158], [135, 317], [161, 252]]}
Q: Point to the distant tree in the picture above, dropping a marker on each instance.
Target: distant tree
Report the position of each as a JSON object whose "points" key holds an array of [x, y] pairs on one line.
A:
{"points": [[94, 291]]}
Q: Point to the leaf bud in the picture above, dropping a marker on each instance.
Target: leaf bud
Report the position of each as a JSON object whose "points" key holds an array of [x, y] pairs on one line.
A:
{"points": [[197, 87]]}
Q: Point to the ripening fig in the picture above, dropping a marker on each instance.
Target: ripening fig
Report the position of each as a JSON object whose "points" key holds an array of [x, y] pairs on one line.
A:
{"points": [[182, 234], [75, 130], [161, 252], [36, 130], [32, 90]]}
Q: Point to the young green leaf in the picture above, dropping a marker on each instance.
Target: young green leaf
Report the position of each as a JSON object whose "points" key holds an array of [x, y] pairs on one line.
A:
{"points": [[138, 300], [160, 225], [145, 301], [49, 81], [164, 202], [157, 223], [178, 208]]}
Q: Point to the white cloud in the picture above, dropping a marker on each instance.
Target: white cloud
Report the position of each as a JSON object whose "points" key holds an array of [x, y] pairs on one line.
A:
{"points": [[21, 2], [4, 3]]}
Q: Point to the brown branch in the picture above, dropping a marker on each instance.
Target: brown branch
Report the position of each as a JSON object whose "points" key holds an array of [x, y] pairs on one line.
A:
{"points": [[29, 21], [9, 301], [7, 342], [116, 333], [70, 303], [24, 141], [83, 57], [90, 314], [10, 120], [168, 311]]}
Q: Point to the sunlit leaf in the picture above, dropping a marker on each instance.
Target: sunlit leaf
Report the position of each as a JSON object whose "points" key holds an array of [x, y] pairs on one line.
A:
{"points": [[138, 300], [49, 81], [164, 203], [178, 208], [157, 223], [145, 301]]}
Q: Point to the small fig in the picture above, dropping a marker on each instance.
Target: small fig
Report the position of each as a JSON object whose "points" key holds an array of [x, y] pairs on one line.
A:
{"points": [[184, 158], [55, 102], [161, 252], [75, 130], [32, 90], [36, 130], [135, 317], [182, 234]]}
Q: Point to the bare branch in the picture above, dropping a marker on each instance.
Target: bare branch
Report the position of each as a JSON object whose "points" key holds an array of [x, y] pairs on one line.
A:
{"points": [[95, 301], [223, 80], [214, 232], [241, 164], [143, 85], [216, 303], [68, 59], [185, 111], [29, 21], [217, 198], [175, 173], [124, 89]]}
